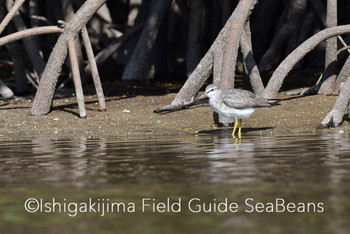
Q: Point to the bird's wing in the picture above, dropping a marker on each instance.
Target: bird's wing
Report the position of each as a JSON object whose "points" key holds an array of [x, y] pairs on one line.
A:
{"points": [[241, 99]]}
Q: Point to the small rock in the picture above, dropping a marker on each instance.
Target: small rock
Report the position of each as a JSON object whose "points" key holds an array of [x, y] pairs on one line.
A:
{"points": [[126, 111]]}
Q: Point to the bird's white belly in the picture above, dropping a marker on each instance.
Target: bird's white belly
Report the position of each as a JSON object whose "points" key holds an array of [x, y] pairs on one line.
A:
{"points": [[231, 112]]}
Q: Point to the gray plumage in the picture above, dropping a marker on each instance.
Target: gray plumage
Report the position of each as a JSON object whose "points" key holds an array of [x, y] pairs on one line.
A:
{"points": [[235, 103], [241, 99]]}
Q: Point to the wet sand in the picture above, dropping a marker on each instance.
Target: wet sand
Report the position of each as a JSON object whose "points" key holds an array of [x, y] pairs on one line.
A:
{"points": [[131, 115]]}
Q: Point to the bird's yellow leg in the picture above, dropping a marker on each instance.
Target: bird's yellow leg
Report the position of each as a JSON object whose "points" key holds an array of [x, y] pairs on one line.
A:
{"points": [[240, 128], [234, 128]]}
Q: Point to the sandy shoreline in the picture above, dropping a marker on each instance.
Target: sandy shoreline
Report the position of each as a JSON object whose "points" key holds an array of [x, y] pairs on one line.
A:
{"points": [[131, 116]]}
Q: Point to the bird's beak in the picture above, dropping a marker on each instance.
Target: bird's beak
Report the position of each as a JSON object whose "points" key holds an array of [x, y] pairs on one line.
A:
{"points": [[203, 96]]}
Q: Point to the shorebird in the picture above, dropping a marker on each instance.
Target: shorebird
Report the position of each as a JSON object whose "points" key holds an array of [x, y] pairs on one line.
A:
{"points": [[235, 104]]}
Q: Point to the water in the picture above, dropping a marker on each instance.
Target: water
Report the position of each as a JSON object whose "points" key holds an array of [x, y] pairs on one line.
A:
{"points": [[180, 174]]}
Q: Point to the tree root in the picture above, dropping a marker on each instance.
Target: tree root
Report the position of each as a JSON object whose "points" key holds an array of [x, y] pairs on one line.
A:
{"points": [[333, 119], [180, 106]]}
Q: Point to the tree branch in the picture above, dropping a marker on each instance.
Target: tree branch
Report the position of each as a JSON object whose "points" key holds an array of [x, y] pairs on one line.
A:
{"points": [[29, 33], [288, 63], [12, 12], [43, 98]]}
